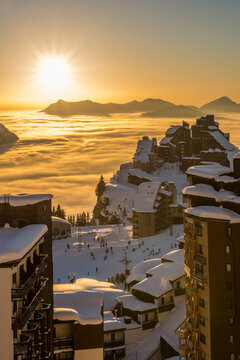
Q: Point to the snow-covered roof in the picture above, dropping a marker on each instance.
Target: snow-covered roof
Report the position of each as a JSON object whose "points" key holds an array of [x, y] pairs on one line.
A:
{"points": [[180, 239], [166, 140], [154, 286], [208, 171], [82, 306], [117, 323], [165, 192], [108, 289], [147, 193], [172, 129], [176, 256], [237, 155], [58, 219], [222, 140], [208, 191], [144, 148], [214, 212], [167, 270], [138, 273], [16, 243], [24, 199], [167, 330], [132, 303]]}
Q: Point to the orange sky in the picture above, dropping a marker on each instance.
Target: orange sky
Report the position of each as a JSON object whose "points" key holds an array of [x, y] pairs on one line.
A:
{"points": [[182, 51]]}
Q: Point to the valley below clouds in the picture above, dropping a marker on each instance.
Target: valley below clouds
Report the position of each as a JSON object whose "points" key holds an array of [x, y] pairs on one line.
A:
{"points": [[65, 156]]}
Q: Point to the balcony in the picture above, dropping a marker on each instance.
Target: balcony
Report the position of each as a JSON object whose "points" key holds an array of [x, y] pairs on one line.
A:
{"points": [[199, 277], [184, 350], [21, 290], [149, 324], [63, 343], [114, 344], [179, 292], [19, 321], [183, 332], [200, 259], [23, 347], [166, 307]]}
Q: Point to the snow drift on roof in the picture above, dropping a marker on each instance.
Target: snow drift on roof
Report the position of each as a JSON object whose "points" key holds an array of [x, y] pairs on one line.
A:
{"points": [[208, 171], [154, 286], [132, 303], [172, 129], [176, 256], [55, 219], [15, 243], [82, 306], [138, 273], [147, 193], [167, 270], [112, 323], [214, 212], [222, 140], [24, 199], [108, 289]]}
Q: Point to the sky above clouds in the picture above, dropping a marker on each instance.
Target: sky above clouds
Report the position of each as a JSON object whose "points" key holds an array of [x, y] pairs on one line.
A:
{"points": [[184, 51]]}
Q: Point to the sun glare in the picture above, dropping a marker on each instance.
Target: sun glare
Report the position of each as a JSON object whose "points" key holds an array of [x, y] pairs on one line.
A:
{"points": [[53, 72]]}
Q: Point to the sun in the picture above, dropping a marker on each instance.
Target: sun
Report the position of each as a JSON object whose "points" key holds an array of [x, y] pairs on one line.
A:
{"points": [[53, 73]]}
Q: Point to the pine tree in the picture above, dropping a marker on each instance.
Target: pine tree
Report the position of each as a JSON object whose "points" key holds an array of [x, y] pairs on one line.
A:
{"points": [[100, 188]]}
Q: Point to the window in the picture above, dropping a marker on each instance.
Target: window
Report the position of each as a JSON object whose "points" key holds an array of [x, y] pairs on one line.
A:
{"points": [[200, 286], [112, 337], [202, 320], [229, 304], [203, 356], [199, 268], [231, 321], [146, 317], [178, 284], [231, 339], [14, 278], [201, 302], [202, 338], [228, 267], [227, 249], [229, 285], [200, 248], [229, 233], [198, 228], [44, 209], [232, 356]]}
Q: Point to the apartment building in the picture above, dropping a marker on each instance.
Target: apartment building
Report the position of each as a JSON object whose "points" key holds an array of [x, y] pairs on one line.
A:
{"points": [[212, 267]]}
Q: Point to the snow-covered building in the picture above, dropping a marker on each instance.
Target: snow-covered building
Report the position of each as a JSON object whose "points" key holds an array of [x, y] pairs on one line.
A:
{"points": [[176, 143], [61, 228], [78, 324], [141, 312], [212, 268], [145, 157], [139, 271], [151, 209], [121, 336], [26, 277]]}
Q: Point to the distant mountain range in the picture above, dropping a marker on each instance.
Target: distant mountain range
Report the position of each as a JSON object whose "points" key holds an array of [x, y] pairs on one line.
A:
{"points": [[147, 108]]}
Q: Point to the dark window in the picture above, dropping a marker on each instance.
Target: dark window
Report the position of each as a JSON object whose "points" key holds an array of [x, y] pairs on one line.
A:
{"points": [[229, 285], [200, 286], [178, 284], [200, 248], [14, 278], [199, 268], [201, 302], [14, 306], [113, 338], [162, 301], [202, 320], [44, 209], [41, 250], [202, 338], [198, 228], [229, 304], [146, 317]]}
